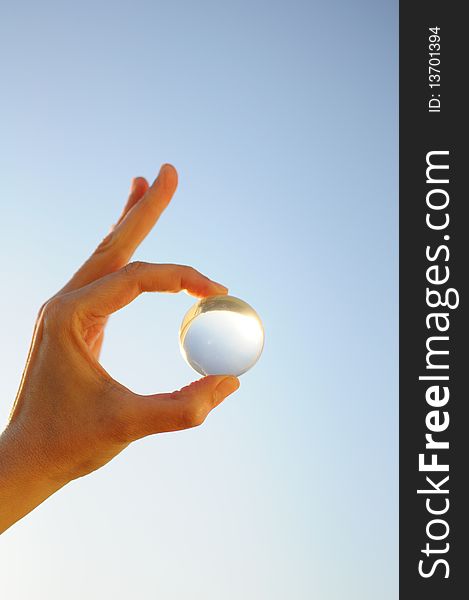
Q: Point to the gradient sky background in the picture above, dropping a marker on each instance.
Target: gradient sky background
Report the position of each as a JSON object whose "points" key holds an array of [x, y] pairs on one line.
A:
{"points": [[282, 121]]}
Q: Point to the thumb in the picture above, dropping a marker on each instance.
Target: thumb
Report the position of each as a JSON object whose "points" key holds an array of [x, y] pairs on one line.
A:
{"points": [[182, 409]]}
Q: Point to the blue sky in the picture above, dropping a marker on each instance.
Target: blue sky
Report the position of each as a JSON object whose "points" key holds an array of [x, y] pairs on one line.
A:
{"points": [[281, 119]]}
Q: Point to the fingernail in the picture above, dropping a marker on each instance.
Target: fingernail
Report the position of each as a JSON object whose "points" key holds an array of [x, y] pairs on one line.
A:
{"points": [[220, 285], [226, 387]]}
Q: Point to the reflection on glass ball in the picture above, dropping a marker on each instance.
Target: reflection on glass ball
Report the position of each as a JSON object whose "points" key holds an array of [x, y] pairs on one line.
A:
{"points": [[221, 335]]}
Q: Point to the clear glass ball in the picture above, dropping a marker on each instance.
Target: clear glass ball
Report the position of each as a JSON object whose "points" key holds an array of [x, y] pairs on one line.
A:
{"points": [[221, 335]]}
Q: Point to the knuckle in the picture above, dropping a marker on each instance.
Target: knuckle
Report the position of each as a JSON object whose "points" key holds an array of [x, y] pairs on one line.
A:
{"points": [[186, 273], [189, 270], [182, 268], [40, 312], [133, 267], [112, 251], [116, 259], [106, 244], [56, 311], [193, 414]]}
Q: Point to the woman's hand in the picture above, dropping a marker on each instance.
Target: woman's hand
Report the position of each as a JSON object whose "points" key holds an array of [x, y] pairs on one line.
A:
{"points": [[70, 416]]}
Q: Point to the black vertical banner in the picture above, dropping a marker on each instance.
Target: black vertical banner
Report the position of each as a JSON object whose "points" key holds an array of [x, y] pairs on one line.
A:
{"points": [[434, 250]]}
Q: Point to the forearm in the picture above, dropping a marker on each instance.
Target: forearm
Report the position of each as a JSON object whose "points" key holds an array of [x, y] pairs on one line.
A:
{"points": [[24, 484]]}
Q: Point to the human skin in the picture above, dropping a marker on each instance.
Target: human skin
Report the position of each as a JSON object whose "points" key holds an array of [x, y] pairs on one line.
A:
{"points": [[70, 417]]}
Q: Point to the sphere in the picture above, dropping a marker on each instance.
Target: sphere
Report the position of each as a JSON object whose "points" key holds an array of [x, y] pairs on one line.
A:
{"points": [[221, 335]]}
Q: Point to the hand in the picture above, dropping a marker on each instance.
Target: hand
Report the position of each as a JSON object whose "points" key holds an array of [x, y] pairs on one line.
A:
{"points": [[70, 416]]}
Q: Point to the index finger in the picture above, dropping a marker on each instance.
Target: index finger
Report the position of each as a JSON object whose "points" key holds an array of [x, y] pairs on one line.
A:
{"points": [[116, 290]]}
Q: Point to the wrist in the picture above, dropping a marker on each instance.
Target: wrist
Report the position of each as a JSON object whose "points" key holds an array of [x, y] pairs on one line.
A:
{"points": [[25, 480]]}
